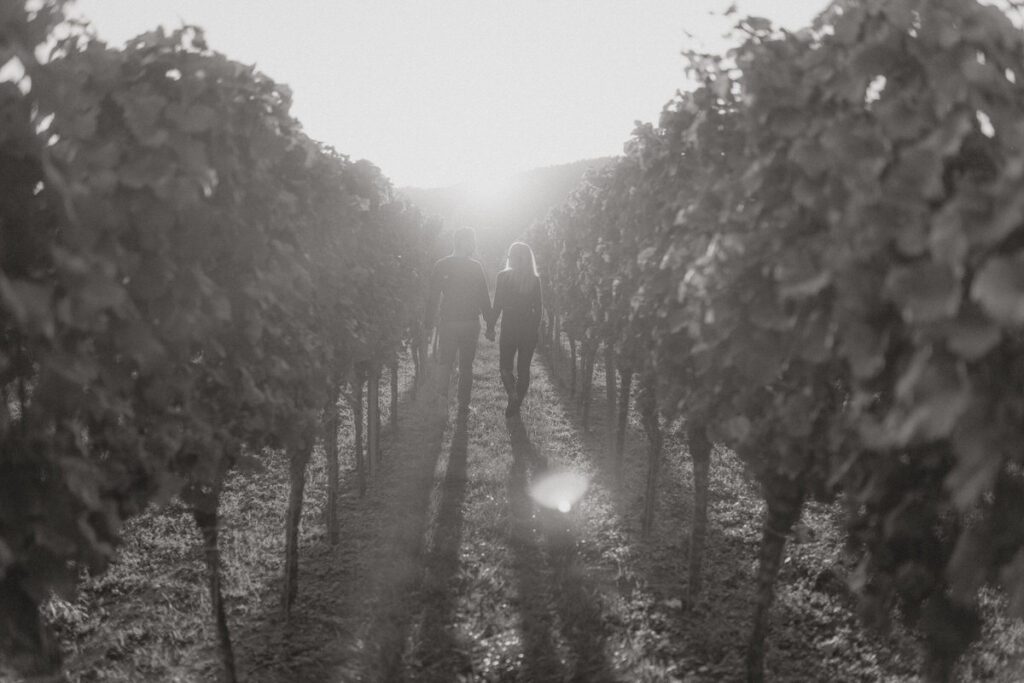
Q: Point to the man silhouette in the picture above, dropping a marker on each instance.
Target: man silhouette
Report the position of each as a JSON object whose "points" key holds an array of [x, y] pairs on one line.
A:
{"points": [[458, 282]]}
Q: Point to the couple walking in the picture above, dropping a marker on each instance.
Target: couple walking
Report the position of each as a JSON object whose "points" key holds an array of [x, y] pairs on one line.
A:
{"points": [[458, 283]]}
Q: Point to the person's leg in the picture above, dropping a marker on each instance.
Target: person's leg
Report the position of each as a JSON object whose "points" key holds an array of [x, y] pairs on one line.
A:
{"points": [[446, 347], [506, 358], [468, 335], [523, 370]]}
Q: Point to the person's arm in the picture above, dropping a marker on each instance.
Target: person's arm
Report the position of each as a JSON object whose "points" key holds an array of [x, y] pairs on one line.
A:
{"points": [[536, 307], [433, 297], [483, 297], [499, 303]]}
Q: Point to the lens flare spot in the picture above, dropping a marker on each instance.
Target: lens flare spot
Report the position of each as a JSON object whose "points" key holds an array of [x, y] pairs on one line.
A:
{"points": [[559, 490]]}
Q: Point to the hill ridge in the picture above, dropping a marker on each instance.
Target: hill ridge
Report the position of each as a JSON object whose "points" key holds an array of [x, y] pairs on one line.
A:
{"points": [[500, 220]]}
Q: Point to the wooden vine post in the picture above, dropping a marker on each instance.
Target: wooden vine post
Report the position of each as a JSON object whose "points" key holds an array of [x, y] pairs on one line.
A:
{"points": [[358, 410], [622, 423], [648, 406], [784, 502], [298, 457], [556, 347], [417, 372], [373, 418], [423, 365], [330, 439], [610, 396], [380, 448], [205, 503], [393, 417], [572, 365], [700, 454], [587, 381]]}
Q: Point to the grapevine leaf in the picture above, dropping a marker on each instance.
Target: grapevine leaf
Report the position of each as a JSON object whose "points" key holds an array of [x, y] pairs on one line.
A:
{"points": [[758, 24], [947, 239], [1008, 218], [169, 485], [28, 303], [1012, 578], [736, 428], [198, 118], [138, 342], [809, 155], [966, 570], [925, 292], [800, 289], [901, 119], [813, 341], [147, 170], [99, 293], [766, 313], [81, 480], [799, 275], [78, 370], [142, 113], [789, 122], [864, 348], [797, 414], [972, 335], [918, 173], [978, 460], [6, 557], [999, 289], [932, 395]]}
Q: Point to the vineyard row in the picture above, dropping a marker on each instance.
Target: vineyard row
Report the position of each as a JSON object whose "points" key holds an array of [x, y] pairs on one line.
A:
{"points": [[816, 259], [187, 283]]}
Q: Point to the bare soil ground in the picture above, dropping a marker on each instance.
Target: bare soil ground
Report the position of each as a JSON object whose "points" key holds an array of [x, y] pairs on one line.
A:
{"points": [[448, 571]]}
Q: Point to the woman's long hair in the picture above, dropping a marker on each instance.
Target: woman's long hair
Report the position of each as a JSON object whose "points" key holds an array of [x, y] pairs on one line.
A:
{"points": [[521, 266]]}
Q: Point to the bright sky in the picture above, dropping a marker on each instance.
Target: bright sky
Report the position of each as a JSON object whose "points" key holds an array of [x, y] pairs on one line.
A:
{"points": [[439, 92]]}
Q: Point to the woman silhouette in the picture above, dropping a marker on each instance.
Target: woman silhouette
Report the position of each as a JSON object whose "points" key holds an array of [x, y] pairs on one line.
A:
{"points": [[518, 301]]}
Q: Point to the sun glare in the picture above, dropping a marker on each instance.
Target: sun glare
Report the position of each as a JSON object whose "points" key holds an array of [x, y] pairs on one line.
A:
{"points": [[559, 490], [487, 191]]}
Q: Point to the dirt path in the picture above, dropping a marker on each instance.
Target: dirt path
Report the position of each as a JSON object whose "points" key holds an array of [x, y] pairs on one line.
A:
{"points": [[448, 569]]}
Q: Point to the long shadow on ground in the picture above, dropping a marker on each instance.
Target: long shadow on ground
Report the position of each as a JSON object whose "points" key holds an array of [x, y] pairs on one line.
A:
{"points": [[352, 615], [557, 580], [541, 661], [438, 653]]}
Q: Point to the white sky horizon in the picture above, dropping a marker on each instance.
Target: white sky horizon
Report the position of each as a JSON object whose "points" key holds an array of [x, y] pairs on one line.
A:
{"points": [[445, 92]]}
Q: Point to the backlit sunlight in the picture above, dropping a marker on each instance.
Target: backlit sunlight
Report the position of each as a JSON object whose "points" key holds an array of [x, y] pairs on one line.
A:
{"points": [[560, 490], [487, 191]]}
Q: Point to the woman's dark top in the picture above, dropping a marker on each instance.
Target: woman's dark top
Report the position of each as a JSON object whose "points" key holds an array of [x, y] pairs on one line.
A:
{"points": [[520, 311]]}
